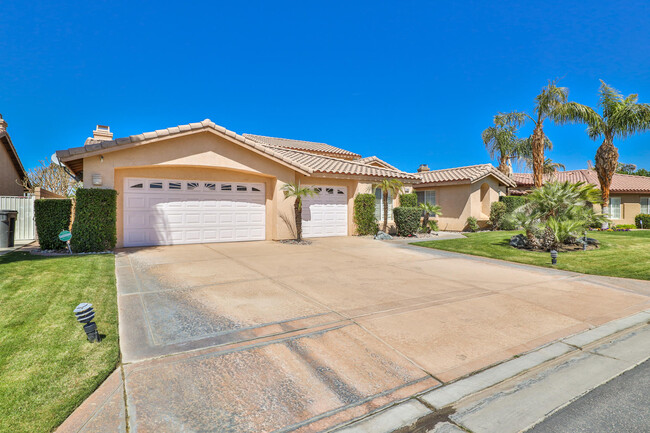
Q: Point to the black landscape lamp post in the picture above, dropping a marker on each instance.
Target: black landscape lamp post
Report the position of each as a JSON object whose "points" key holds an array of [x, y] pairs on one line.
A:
{"points": [[84, 314], [553, 257]]}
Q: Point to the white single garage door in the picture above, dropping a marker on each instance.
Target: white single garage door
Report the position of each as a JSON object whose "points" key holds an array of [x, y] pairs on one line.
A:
{"points": [[326, 213], [171, 212]]}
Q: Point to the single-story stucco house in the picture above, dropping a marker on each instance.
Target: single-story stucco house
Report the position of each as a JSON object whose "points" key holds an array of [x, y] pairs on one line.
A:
{"points": [[629, 195], [203, 183], [11, 169]]}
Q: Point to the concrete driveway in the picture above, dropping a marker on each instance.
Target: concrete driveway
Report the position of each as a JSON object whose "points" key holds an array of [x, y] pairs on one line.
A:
{"points": [[263, 336]]}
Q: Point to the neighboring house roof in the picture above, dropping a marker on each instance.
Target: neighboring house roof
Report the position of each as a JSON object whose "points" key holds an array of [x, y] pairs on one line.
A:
{"points": [[11, 150], [304, 162], [621, 183], [468, 174], [373, 160], [310, 146]]}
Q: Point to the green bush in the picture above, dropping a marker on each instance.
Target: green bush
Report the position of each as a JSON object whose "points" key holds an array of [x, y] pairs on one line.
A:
{"points": [[642, 218], [624, 226], [94, 227], [408, 200], [472, 224], [52, 216], [497, 214], [433, 225], [512, 202], [407, 220], [364, 214]]}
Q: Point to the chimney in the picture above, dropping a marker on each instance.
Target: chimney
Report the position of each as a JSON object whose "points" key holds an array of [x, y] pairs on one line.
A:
{"points": [[3, 124], [423, 167], [102, 133]]}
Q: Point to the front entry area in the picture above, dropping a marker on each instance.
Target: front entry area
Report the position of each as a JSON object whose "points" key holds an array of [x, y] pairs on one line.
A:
{"points": [[326, 213], [173, 212]]}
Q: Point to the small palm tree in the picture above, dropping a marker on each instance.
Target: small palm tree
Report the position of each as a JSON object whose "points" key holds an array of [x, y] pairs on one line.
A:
{"points": [[502, 143], [621, 117], [388, 186], [429, 209], [294, 189]]}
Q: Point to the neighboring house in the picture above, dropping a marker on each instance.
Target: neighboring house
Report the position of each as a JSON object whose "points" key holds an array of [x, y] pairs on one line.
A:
{"points": [[462, 192], [11, 169], [203, 183], [629, 195]]}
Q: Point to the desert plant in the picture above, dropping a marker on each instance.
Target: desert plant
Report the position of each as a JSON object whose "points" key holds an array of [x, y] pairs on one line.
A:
{"points": [[408, 200], [497, 214], [502, 143], [621, 117], [429, 209], [364, 214], [388, 186], [294, 189], [51, 217], [472, 224], [432, 226], [407, 220]]}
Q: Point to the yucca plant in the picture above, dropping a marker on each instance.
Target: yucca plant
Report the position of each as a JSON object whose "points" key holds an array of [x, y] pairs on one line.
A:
{"points": [[388, 186], [294, 189]]}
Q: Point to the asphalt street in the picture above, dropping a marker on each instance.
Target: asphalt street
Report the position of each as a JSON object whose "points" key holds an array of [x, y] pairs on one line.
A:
{"points": [[621, 405]]}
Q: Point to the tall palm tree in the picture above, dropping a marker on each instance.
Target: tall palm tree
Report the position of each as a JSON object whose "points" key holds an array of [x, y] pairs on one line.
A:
{"points": [[294, 189], [621, 117], [546, 103], [502, 143], [388, 186], [549, 167]]}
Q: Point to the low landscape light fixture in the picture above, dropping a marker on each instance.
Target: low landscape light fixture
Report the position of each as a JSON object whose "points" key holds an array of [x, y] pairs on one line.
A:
{"points": [[553, 257], [584, 242], [85, 314]]}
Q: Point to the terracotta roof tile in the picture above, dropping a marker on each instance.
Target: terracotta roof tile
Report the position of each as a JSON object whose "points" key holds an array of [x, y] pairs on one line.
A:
{"points": [[471, 173], [301, 145], [620, 182]]}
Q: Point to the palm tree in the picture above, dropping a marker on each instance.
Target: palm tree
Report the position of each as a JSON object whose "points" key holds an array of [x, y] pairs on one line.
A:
{"points": [[429, 209], [549, 167], [294, 189], [388, 186], [621, 117], [502, 143], [546, 103]]}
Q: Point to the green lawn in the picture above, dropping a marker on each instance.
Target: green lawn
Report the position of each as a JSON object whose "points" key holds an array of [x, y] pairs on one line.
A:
{"points": [[47, 367], [622, 254]]}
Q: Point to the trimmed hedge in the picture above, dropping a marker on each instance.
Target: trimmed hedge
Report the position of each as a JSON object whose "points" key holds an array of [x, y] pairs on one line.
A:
{"points": [[407, 220], [364, 214], [52, 216], [94, 226], [512, 202], [408, 200], [642, 217], [497, 214]]}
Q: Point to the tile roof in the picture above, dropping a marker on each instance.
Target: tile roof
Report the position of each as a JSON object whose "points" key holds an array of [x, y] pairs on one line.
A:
{"points": [[371, 159], [302, 145], [471, 174], [305, 162], [620, 182]]}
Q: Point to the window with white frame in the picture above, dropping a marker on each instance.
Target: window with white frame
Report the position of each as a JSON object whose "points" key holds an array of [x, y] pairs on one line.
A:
{"points": [[426, 197], [615, 208], [379, 205], [645, 205]]}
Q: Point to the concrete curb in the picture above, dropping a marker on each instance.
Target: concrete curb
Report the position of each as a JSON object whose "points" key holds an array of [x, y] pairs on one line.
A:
{"points": [[403, 417]]}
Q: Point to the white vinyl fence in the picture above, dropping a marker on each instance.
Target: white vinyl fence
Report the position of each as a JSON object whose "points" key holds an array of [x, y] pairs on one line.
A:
{"points": [[25, 227]]}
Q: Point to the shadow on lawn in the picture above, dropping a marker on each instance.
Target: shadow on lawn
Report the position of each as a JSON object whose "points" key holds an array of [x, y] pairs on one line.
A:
{"points": [[21, 256]]}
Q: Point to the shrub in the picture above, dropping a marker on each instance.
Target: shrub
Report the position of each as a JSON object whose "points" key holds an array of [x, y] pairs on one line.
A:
{"points": [[94, 228], [408, 200], [497, 214], [642, 220], [624, 226], [433, 225], [513, 202], [51, 217], [364, 214], [407, 220], [472, 224]]}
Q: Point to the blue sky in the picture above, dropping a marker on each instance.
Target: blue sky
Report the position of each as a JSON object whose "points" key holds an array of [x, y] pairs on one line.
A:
{"points": [[411, 82]]}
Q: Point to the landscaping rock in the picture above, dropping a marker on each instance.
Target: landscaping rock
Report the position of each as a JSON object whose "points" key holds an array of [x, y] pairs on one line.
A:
{"points": [[519, 241], [590, 241], [383, 236]]}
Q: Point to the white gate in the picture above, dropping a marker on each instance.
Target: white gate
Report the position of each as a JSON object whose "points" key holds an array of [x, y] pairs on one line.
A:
{"points": [[25, 227]]}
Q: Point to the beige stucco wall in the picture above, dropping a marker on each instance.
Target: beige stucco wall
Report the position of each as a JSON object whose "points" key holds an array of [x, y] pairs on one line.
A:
{"points": [[9, 176], [630, 207]]}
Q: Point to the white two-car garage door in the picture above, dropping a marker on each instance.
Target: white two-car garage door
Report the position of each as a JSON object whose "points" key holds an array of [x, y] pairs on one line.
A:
{"points": [[171, 212], [326, 213]]}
